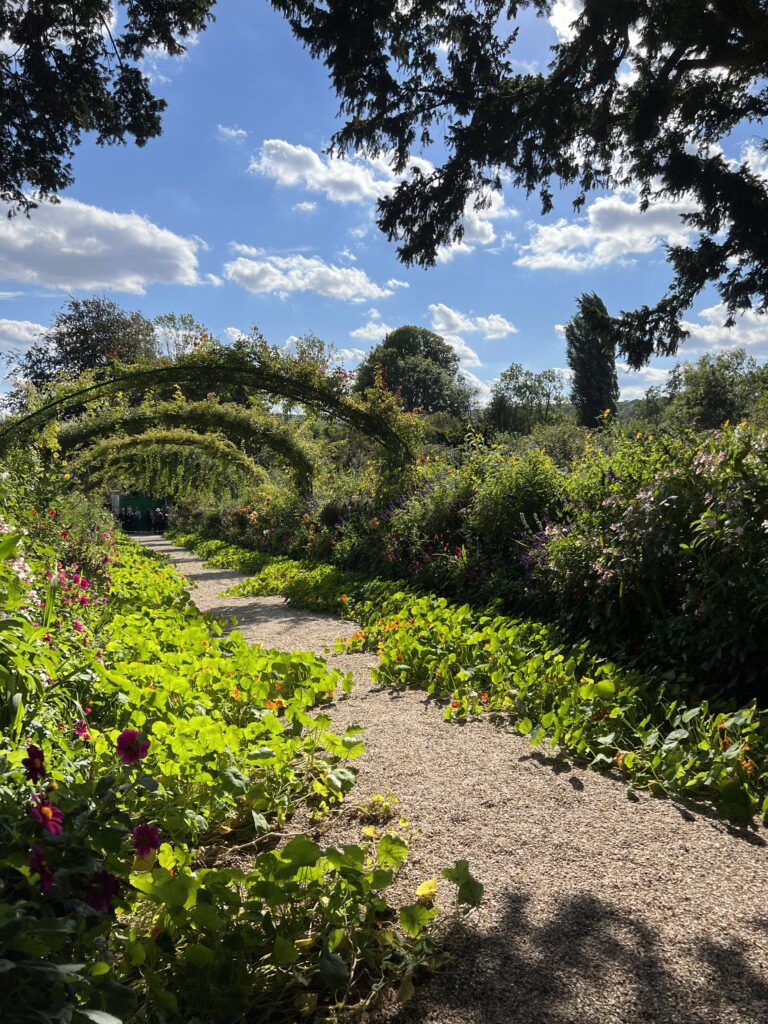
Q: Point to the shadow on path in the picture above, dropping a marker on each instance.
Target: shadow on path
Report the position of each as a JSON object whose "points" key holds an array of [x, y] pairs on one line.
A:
{"points": [[559, 971]]}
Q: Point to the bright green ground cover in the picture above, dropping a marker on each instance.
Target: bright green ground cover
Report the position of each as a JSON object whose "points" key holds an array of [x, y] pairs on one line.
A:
{"points": [[149, 771], [519, 671]]}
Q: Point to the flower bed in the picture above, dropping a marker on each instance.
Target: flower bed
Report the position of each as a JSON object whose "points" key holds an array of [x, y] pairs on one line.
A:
{"points": [[149, 769]]}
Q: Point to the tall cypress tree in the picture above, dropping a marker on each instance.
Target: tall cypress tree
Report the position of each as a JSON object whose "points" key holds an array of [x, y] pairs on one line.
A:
{"points": [[591, 352]]}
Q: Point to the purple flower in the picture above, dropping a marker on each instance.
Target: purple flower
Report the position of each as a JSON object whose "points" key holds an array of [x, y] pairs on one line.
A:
{"points": [[145, 838], [130, 748], [44, 812], [100, 888], [34, 763], [38, 865], [81, 731]]}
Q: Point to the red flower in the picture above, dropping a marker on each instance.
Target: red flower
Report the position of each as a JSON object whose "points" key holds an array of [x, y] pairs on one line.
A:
{"points": [[49, 816], [64, 534], [38, 864], [130, 748], [454, 703], [100, 889], [145, 839], [34, 763]]}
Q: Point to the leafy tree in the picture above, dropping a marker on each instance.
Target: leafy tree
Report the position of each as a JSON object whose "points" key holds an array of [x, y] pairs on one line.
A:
{"points": [[522, 399], [716, 388], [70, 68], [86, 334], [640, 96], [178, 334], [591, 353], [421, 367]]}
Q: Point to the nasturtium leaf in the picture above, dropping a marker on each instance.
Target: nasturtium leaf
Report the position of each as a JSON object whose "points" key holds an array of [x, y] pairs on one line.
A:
{"points": [[426, 892], [391, 851], [333, 970], [302, 852], [285, 951], [414, 919], [605, 689]]}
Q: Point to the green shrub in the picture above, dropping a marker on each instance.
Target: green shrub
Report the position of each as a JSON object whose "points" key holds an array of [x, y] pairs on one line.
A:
{"points": [[515, 497]]}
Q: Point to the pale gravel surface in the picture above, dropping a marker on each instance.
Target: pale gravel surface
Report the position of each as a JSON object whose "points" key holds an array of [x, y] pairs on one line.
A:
{"points": [[598, 910]]}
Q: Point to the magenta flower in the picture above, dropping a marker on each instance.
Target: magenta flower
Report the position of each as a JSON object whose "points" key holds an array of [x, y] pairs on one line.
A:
{"points": [[130, 748], [34, 763], [100, 888], [145, 839], [78, 626], [81, 731], [38, 864], [44, 812]]}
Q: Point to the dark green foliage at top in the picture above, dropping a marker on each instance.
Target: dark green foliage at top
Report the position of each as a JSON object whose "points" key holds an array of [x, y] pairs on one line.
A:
{"points": [[66, 70], [699, 73], [591, 352], [421, 367], [86, 334]]}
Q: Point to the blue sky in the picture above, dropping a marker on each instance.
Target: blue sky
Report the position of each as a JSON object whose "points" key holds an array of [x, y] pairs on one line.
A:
{"points": [[236, 215]]}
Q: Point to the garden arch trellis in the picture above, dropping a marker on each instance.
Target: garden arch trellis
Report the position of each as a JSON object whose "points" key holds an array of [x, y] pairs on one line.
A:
{"points": [[298, 381], [96, 459], [248, 427]]}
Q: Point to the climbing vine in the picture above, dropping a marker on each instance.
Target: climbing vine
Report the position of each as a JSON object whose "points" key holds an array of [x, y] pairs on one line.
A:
{"points": [[252, 429], [258, 368], [167, 462]]}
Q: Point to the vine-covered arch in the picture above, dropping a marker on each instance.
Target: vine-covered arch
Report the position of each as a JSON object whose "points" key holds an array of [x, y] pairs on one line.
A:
{"points": [[94, 462], [239, 425], [271, 374]]}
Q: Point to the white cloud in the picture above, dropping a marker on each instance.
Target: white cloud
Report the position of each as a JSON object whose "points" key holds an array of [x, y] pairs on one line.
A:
{"points": [[708, 333], [18, 334], [346, 254], [304, 207], [483, 388], [394, 283], [233, 134], [283, 275], [562, 16], [467, 355], [363, 180], [495, 326], [374, 330], [613, 230], [450, 321], [339, 179], [350, 355], [234, 333], [75, 246], [634, 383]]}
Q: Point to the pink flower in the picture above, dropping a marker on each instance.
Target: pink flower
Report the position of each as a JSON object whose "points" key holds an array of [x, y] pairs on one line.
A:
{"points": [[145, 839], [34, 763], [78, 626], [100, 888], [38, 865], [130, 749], [84, 600], [81, 731], [44, 812]]}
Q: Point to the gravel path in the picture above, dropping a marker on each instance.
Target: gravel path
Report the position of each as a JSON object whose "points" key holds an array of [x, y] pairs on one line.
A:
{"points": [[599, 909]]}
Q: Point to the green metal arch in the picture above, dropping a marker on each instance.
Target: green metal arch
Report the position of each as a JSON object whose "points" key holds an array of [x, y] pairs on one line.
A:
{"points": [[298, 382], [110, 449], [232, 421]]}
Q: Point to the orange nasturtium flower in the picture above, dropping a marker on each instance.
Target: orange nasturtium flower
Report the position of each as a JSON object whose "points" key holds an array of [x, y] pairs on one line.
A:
{"points": [[454, 703]]}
